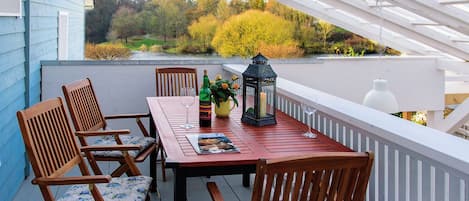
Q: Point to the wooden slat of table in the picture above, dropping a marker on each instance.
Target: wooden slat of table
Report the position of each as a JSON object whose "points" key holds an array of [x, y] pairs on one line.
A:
{"points": [[279, 140]]}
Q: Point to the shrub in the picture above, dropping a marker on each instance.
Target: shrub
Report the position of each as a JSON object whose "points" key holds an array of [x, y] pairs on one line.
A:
{"points": [[360, 44], [390, 51], [156, 48], [314, 48], [280, 51], [106, 51], [143, 48]]}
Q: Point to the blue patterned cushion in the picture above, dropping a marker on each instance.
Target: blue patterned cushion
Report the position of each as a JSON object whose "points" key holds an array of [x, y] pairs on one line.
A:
{"points": [[144, 142], [119, 189]]}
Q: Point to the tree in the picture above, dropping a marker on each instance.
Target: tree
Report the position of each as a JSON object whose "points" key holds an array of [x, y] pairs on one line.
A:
{"points": [[305, 32], [123, 24], [136, 5], [238, 6], [203, 30], [147, 18], [325, 29], [242, 34], [170, 19], [289, 14], [98, 20], [257, 4], [205, 7], [223, 10]]}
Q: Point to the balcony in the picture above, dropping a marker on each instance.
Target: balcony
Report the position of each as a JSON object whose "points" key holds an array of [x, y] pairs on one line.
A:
{"points": [[412, 162]]}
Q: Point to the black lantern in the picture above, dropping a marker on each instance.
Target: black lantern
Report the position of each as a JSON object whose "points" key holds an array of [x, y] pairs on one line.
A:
{"points": [[259, 93]]}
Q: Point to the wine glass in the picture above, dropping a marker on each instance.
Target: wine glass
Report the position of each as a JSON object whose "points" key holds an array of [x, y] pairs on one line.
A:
{"points": [[187, 99], [309, 110]]}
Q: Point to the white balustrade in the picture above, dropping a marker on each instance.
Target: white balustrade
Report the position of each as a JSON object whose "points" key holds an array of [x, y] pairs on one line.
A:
{"points": [[412, 162]]}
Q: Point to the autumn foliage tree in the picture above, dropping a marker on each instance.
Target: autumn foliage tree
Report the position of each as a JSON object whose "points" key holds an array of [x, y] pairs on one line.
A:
{"points": [[202, 31], [243, 34]]}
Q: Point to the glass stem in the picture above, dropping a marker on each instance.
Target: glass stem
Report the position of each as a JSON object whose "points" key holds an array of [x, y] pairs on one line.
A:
{"points": [[187, 115]]}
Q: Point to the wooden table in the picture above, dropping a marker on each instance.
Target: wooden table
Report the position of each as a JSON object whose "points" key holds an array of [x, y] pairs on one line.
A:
{"points": [[283, 139]]}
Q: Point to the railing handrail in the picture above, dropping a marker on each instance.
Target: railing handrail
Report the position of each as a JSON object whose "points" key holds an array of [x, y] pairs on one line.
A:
{"points": [[436, 145]]}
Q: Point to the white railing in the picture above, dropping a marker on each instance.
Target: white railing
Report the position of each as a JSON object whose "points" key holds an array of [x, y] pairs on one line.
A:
{"points": [[412, 162]]}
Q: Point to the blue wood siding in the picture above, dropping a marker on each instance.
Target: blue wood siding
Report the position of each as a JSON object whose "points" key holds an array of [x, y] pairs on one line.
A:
{"points": [[44, 29], [15, 65], [12, 90]]}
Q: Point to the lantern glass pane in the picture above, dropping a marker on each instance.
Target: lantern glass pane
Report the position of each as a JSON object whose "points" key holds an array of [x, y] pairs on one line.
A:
{"points": [[250, 94], [268, 92]]}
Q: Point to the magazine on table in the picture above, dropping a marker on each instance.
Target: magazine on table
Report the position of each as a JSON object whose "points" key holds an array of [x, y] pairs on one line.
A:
{"points": [[211, 143]]}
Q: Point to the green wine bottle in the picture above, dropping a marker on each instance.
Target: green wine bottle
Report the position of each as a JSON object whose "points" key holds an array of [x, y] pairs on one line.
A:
{"points": [[205, 104]]}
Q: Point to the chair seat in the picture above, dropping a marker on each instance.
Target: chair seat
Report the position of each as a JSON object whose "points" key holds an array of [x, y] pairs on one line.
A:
{"points": [[144, 143], [119, 189]]}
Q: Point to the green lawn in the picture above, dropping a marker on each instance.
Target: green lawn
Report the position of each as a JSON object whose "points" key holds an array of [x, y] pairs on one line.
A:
{"points": [[135, 43]]}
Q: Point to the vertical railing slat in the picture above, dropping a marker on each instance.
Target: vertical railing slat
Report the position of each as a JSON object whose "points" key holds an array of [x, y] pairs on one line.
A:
{"points": [[413, 178], [454, 188], [439, 185], [426, 179], [398, 174]]}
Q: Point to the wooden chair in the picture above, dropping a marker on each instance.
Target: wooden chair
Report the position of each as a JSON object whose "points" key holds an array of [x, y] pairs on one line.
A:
{"points": [[169, 81], [53, 151], [87, 117], [331, 176]]}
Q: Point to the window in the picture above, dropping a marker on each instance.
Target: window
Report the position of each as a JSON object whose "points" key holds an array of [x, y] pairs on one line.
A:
{"points": [[10, 8]]}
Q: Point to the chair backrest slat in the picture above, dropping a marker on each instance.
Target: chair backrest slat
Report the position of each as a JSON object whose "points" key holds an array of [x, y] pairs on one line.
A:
{"points": [[297, 185], [83, 106], [49, 140], [331, 176], [169, 81]]}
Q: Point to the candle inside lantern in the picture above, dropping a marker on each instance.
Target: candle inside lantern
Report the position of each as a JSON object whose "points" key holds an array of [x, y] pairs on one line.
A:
{"points": [[262, 104]]}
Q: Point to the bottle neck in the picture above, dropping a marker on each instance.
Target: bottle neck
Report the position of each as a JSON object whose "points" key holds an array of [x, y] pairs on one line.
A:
{"points": [[206, 82]]}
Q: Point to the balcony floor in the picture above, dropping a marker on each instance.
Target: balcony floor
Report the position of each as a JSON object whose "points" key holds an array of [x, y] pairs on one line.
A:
{"points": [[230, 186]]}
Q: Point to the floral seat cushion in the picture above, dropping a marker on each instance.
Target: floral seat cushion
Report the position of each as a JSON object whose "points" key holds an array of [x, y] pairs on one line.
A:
{"points": [[144, 142], [119, 189]]}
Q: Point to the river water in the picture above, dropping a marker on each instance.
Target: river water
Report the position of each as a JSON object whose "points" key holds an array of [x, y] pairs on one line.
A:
{"points": [[138, 55]]}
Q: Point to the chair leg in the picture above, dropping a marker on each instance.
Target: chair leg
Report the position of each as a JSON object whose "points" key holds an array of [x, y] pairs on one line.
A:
{"points": [[163, 160], [153, 157], [94, 165], [163, 166], [46, 193], [123, 168]]}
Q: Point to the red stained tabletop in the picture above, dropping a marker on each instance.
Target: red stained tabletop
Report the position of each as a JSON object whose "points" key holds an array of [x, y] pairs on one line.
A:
{"points": [[283, 139]]}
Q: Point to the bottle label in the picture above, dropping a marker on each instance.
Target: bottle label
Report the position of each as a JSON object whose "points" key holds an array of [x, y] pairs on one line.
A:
{"points": [[205, 110]]}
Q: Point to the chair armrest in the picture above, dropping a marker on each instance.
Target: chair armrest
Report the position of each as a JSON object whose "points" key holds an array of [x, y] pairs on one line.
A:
{"points": [[110, 148], [120, 116], [214, 191], [137, 118], [73, 180], [101, 133]]}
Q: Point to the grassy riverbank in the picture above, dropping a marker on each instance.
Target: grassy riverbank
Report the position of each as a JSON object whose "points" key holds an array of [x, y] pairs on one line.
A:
{"points": [[136, 43]]}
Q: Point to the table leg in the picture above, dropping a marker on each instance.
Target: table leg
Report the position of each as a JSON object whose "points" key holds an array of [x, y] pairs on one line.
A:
{"points": [[180, 185], [246, 179], [153, 156]]}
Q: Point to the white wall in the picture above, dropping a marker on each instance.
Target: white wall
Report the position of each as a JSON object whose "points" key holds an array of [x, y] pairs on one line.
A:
{"points": [[416, 82]]}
